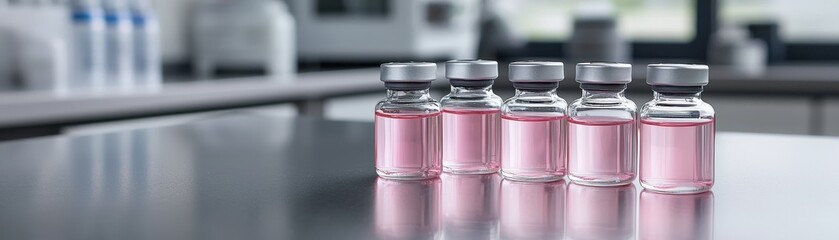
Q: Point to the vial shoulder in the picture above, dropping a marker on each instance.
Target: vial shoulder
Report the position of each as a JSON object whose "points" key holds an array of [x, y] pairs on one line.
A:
{"points": [[488, 101], [553, 105], [429, 106], [625, 109], [617, 104], [657, 109]]}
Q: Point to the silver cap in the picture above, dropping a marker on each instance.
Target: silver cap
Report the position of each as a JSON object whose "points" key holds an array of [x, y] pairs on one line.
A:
{"points": [[408, 72], [471, 69], [604, 73], [532, 71], [687, 75]]}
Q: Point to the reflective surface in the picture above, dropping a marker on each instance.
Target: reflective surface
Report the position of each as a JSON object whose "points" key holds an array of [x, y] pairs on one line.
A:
{"points": [[259, 177]]}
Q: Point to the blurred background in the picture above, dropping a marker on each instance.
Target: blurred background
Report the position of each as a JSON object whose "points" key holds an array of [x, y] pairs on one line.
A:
{"points": [[67, 65]]}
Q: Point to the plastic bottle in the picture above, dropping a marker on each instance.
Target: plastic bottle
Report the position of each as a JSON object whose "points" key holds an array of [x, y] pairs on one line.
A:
{"points": [[119, 72], [88, 46], [146, 46]]}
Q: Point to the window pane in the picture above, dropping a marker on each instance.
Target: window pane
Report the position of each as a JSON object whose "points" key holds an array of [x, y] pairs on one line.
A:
{"points": [[799, 20], [646, 20]]}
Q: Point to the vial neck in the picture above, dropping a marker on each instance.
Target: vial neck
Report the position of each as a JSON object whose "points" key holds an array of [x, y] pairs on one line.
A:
{"points": [[530, 93], [677, 97], [409, 96], [595, 95], [471, 90]]}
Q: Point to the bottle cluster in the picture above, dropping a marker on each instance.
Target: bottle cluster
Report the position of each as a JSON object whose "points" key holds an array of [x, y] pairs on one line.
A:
{"points": [[600, 139], [115, 46]]}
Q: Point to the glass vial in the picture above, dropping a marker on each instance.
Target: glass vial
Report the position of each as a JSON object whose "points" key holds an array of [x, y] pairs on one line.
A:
{"points": [[532, 124], [471, 118], [677, 131], [408, 120], [601, 127]]}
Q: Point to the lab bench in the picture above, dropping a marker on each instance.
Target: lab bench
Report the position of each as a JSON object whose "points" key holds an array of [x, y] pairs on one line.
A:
{"points": [[252, 176], [797, 99]]}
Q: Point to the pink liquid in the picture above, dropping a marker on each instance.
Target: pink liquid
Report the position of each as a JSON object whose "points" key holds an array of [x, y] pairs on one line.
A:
{"points": [[532, 210], [601, 212], [677, 157], [666, 216], [601, 150], [470, 138], [532, 148], [408, 146], [470, 206], [407, 209]]}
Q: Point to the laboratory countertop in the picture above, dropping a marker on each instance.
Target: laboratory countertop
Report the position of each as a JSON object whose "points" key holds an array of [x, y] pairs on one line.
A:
{"points": [[243, 176], [308, 90]]}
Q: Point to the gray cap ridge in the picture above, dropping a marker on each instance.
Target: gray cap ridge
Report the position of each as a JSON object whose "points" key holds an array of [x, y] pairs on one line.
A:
{"points": [[604, 73], [536, 71], [418, 72], [472, 69], [680, 75]]}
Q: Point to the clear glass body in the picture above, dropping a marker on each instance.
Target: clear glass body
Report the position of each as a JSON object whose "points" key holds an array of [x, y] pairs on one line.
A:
{"points": [[470, 206], [407, 209], [677, 144], [600, 212], [471, 129], [532, 210], [532, 138], [408, 136], [602, 139], [674, 216]]}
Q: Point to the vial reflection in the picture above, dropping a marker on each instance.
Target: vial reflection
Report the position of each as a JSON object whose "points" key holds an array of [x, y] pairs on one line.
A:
{"points": [[601, 212], [664, 216], [532, 210], [407, 209], [470, 206]]}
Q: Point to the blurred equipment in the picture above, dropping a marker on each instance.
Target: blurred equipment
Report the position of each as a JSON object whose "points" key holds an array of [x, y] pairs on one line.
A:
{"points": [[34, 55], [5, 58], [243, 34], [146, 49], [497, 34], [595, 37], [384, 30], [770, 33], [731, 46]]}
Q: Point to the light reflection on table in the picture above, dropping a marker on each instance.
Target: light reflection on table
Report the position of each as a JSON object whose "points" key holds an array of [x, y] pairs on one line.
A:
{"points": [[489, 207]]}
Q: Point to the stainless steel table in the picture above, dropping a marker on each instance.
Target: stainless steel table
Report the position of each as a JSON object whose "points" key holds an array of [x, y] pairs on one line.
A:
{"points": [[258, 177]]}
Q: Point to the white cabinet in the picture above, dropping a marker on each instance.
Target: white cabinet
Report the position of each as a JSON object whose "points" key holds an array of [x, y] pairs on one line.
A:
{"points": [[763, 114]]}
